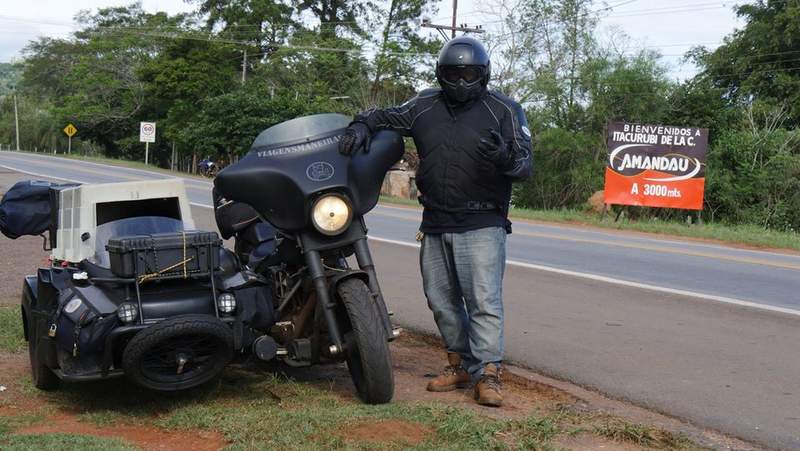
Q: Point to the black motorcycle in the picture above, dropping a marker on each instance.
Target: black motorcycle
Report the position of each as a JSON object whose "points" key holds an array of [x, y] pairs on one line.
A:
{"points": [[296, 208]]}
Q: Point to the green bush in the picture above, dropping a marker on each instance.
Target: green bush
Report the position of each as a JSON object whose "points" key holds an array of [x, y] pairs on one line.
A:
{"points": [[754, 177]]}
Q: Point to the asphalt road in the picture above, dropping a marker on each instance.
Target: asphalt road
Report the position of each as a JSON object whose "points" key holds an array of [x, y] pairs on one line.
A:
{"points": [[704, 332]]}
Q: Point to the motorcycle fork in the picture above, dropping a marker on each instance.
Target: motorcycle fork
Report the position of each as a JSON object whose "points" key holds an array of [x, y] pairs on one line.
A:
{"points": [[317, 272], [364, 259]]}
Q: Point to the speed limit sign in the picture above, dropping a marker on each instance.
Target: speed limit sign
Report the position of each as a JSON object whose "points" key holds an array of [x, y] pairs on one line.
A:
{"points": [[147, 132]]}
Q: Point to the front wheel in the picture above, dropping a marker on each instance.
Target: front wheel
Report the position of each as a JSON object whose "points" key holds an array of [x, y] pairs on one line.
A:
{"points": [[368, 357]]}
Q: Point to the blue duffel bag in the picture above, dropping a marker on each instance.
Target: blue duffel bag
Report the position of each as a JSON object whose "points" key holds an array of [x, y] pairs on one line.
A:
{"points": [[27, 208]]}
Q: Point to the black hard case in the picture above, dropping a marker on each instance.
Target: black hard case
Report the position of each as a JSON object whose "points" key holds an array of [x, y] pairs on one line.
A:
{"points": [[151, 255]]}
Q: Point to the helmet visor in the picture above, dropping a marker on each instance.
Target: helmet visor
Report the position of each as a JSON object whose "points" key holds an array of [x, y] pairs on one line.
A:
{"points": [[469, 74]]}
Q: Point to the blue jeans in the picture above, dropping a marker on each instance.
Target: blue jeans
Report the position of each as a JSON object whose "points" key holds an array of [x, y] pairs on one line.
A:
{"points": [[462, 275]]}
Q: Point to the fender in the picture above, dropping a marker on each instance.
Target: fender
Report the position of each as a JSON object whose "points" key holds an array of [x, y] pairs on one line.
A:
{"points": [[29, 295], [341, 276]]}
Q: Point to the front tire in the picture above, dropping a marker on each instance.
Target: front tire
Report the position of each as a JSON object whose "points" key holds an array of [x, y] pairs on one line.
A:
{"points": [[368, 357], [179, 353], [42, 376]]}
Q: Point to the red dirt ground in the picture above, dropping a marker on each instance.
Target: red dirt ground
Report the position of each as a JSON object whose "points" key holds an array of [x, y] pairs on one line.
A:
{"points": [[392, 431], [16, 401], [147, 438]]}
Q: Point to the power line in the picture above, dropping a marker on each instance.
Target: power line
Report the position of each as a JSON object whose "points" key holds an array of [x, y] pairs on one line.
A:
{"points": [[187, 35], [610, 7]]}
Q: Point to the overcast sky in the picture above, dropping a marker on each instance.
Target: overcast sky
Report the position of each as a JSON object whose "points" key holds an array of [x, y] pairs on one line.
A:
{"points": [[670, 26]]}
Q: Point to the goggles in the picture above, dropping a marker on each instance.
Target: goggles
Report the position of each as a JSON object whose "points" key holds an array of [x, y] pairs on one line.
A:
{"points": [[469, 74]]}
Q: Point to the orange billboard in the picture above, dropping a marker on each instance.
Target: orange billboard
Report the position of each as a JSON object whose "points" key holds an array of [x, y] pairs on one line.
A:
{"points": [[656, 165]]}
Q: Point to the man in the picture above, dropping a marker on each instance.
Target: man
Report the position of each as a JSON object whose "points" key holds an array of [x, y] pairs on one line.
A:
{"points": [[472, 144]]}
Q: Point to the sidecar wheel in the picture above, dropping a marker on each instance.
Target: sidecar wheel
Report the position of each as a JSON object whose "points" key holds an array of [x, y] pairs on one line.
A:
{"points": [[42, 376], [179, 353], [368, 357]]}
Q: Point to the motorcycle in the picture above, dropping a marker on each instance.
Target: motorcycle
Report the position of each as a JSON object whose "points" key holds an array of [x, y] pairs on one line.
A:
{"points": [[296, 208], [207, 168]]}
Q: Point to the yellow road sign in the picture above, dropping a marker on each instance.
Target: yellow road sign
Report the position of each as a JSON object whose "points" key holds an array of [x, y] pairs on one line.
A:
{"points": [[70, 130]]}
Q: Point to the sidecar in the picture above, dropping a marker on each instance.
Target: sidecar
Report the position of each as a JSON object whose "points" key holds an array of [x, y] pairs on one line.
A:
{"points": [[132, 289]]}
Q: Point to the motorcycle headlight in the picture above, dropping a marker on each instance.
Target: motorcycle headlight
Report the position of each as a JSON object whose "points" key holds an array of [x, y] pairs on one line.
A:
{"points": [[226, 303], [331, 214], [127, 312]]}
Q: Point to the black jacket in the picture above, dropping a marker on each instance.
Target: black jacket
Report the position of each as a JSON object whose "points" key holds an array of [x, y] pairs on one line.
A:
{"points": [[460, 189]]}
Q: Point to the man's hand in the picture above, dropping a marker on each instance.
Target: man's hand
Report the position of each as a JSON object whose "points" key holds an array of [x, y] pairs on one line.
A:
{"points": [[356, 136], [495, 149]]}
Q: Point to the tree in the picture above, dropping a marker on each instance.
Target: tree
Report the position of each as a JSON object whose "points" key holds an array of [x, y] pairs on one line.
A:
{"points": [[550, 41], [10, 75], [183, 74], [226, 125], [266, 24], [402, 52], [759, 61], [335, 15], [92, 80]]}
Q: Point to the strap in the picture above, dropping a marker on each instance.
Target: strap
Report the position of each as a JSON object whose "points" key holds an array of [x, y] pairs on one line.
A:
{"points": [[475, 205], [469, 206], [182, 263]]}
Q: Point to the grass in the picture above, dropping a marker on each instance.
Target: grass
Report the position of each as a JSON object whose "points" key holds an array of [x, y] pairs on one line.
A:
{"points": [[11, 337], [747, 234], [260, 406], [254, 407], [641, 435], [54, 442]]}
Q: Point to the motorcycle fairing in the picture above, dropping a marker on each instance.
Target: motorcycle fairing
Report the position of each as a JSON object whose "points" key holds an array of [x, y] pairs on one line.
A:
{"points": [[282, 179]]}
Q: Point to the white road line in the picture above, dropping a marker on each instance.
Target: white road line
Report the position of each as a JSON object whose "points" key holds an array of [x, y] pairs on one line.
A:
{"points": [[566, 272], [626, 283]]}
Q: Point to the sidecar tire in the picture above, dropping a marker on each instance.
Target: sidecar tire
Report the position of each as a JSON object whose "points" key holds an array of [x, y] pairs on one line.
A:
{"points": [[43, 377], [368, 357], [214, 349]]}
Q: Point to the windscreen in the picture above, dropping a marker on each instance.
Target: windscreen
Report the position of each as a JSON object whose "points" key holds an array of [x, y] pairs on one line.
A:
{"points": [[301, 128], [140, 225]]}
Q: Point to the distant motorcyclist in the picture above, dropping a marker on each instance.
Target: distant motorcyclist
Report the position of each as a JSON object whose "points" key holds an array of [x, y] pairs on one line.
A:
{"points": [[472, 144], [207, 167]]}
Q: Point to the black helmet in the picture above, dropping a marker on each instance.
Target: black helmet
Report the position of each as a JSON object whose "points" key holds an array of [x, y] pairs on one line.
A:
{"points": [[463, 69]]}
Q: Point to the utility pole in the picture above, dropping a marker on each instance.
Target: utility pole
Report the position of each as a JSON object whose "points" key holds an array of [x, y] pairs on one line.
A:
{"points": [[16, 119], [426, 22], [244, 66], [455, 14]]}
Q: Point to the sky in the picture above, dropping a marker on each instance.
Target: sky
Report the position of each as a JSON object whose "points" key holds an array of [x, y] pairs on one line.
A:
{"points": [[669, 26]]}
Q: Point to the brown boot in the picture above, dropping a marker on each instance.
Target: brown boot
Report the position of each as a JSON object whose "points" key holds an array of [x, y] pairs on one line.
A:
{"points": [[488, 389], [454, 376]]}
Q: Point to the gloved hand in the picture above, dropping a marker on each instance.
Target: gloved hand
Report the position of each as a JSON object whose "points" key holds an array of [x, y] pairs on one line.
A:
{"points": [[357, 135], [495, 149]]}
